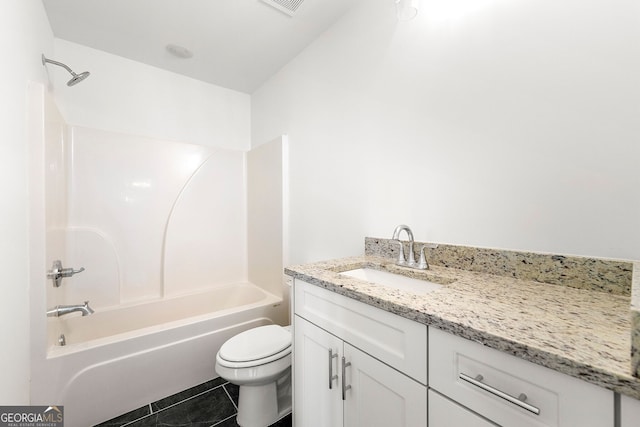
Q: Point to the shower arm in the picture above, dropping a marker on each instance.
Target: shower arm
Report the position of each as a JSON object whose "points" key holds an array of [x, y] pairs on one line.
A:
{"points": [[60, 64]]}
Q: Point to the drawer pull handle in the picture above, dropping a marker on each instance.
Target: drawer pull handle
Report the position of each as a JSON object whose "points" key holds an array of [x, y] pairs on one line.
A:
{"points": [[345, 387], [332, 377], [519, 401]]}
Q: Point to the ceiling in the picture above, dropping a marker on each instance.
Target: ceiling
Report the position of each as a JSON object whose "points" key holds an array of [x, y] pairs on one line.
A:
{"points": [[237, 44]]}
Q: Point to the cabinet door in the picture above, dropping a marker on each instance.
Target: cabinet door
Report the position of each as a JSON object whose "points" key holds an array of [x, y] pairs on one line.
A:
{"points": [[630, 408], [380, 396], [315, 404], [445, 413]]}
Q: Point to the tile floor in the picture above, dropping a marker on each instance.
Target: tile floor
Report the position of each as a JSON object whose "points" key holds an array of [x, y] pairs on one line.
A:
{"points": [[214, 403]]}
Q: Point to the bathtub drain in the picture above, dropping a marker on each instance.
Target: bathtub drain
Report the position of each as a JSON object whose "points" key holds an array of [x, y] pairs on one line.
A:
{"points": [[62, 340]]}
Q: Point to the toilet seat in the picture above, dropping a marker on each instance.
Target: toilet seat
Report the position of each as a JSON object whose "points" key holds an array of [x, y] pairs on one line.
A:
{"points": [[255, 347]]}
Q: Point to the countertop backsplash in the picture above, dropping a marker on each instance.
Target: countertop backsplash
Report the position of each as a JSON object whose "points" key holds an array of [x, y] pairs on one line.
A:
{"points": [[597, 274]]}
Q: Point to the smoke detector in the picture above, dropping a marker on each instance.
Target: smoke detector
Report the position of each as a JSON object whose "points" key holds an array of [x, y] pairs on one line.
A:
{"points": [[286, 6]]}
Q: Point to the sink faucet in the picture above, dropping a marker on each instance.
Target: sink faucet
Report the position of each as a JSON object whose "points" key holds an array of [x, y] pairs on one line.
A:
{"points": [[61, 310], [422, 264], [396, 237]]}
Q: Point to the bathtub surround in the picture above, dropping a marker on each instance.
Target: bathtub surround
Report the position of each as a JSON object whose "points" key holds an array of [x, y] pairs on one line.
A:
{"points": [[584, 333], [148, 218], [267, 213]]}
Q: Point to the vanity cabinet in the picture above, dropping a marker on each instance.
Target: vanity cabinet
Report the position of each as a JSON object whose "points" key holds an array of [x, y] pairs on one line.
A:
{"points": [[355, 365], [629, 412], [511, 391], [359, 365]]}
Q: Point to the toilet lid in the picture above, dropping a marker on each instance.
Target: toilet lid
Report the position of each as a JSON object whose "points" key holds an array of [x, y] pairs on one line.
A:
{"points": [[257, 343]]}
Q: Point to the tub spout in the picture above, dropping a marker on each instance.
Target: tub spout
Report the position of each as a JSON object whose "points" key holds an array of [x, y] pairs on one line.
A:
{"points": [[61, 310]]}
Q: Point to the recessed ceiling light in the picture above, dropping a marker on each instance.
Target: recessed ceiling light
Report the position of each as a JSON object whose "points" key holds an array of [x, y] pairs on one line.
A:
{"points": [[179, 51]]}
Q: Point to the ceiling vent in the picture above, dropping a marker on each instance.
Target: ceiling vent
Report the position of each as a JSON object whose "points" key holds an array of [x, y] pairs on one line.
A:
{"points": [[286, 6]]}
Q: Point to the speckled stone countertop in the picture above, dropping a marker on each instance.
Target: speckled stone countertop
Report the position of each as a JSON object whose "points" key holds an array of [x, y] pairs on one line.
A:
{"points": [[566, 325]]}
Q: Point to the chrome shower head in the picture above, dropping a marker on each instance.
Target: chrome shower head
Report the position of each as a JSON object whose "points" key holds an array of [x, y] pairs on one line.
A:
{"points": [[75, 78]]}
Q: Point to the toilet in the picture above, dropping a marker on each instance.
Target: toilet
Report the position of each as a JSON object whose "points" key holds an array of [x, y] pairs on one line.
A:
{"points": [[259, 361]]}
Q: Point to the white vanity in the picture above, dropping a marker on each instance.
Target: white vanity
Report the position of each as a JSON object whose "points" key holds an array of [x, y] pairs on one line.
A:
{"points": [[370, 356], [356, 365]]}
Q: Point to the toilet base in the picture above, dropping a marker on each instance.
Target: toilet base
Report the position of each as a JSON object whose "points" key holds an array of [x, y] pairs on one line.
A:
{"points": [[263, 405]]}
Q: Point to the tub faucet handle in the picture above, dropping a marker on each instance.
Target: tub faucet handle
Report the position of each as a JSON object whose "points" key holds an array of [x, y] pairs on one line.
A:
{"points": [[57, 272]]}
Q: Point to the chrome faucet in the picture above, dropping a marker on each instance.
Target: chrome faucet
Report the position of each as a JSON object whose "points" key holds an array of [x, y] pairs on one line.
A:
{"points": [[61, 310], [396, 236], [422, 264]]}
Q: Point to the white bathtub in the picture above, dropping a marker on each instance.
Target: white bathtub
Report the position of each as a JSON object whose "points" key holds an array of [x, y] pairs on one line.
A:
{"points": [[121, 359]]}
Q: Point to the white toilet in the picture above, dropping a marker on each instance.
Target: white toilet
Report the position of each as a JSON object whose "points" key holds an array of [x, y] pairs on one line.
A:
{"points": [[259, 361]]}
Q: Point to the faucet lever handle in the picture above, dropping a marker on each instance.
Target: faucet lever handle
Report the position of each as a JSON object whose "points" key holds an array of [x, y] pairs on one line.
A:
{"points": [[423, 264], [57, 272], [401, 258], [68, 272]]}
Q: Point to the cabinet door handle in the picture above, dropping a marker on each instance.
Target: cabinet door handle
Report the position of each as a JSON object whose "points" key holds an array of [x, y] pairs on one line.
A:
{"points": [[519, 401], [331, 376], [345, 387]]}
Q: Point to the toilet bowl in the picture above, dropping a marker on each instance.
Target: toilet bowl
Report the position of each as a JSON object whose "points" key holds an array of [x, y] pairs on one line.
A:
{"points": [[259, 361]]}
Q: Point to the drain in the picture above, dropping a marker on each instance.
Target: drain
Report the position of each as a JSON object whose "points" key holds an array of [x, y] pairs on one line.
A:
{"points": [[62, 340]]}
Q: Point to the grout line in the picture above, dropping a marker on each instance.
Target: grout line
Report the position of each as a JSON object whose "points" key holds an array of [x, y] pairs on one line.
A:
{"points": [[138, 419], [151, 412], [221, 421], [229, 396], [192, 397]]}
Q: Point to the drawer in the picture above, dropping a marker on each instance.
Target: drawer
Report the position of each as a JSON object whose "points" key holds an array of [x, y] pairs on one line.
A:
{"points": [[511, 391], [400, 343]]}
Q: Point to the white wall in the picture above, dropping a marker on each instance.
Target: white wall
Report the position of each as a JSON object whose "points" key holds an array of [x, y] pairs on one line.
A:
{"points": [[24, 35], [125, 96], [508, 124]]}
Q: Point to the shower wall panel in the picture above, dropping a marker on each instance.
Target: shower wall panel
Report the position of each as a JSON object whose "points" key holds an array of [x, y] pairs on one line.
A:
{"points": [[123, 190], [205, 241], [55, 189]]}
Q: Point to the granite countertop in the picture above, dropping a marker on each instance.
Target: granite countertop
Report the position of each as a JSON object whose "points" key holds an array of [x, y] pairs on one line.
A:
{"points": [[584, 333]]}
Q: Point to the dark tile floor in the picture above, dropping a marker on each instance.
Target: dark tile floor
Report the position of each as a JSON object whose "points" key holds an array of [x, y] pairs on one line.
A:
{"points": [[214, 403]]}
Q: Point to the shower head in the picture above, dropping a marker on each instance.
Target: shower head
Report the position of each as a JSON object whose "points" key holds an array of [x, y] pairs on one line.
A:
{"points": [[75, 78]]}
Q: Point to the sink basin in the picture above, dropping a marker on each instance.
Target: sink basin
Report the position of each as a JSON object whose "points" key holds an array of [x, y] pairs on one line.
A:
{"points": [[395, 281]]}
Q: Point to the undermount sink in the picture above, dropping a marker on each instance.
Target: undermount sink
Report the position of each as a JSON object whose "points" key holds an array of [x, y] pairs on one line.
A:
{"points": [[395, 281]]}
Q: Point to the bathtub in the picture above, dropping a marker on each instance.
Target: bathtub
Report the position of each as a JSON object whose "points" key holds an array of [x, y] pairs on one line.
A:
{"points": [[121, 359]]}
